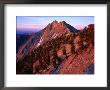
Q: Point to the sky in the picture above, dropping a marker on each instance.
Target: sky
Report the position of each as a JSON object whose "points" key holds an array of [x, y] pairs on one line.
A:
{"points": [[37, 23]]}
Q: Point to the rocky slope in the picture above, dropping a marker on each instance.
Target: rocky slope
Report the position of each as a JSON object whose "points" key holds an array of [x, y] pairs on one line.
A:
{"points": [[59, 49]]}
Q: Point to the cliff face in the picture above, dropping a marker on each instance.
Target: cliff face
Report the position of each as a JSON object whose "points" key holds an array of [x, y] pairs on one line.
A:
{"points": [[60, 49]]}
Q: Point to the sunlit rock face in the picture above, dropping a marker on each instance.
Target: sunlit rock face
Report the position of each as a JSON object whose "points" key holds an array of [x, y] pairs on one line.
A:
{"points": [[58, 49]]}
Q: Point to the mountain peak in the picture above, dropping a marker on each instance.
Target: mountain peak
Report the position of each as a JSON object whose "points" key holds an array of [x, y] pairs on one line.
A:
{"points": [[58, 22], [55, 21], [60, 26], [56, 29]]}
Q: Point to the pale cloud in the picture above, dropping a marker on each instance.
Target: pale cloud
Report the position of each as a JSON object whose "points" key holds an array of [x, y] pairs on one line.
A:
{"points": [[30, 26]]}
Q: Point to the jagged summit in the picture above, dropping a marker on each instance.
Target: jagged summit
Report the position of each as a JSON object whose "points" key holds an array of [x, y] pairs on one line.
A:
{"points": [[55, 21], [60, 25], [55, 29]]}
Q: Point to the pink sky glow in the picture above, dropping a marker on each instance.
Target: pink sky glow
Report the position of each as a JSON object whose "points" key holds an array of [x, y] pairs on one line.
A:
{"points": [[30, 26], [39, 26]]}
